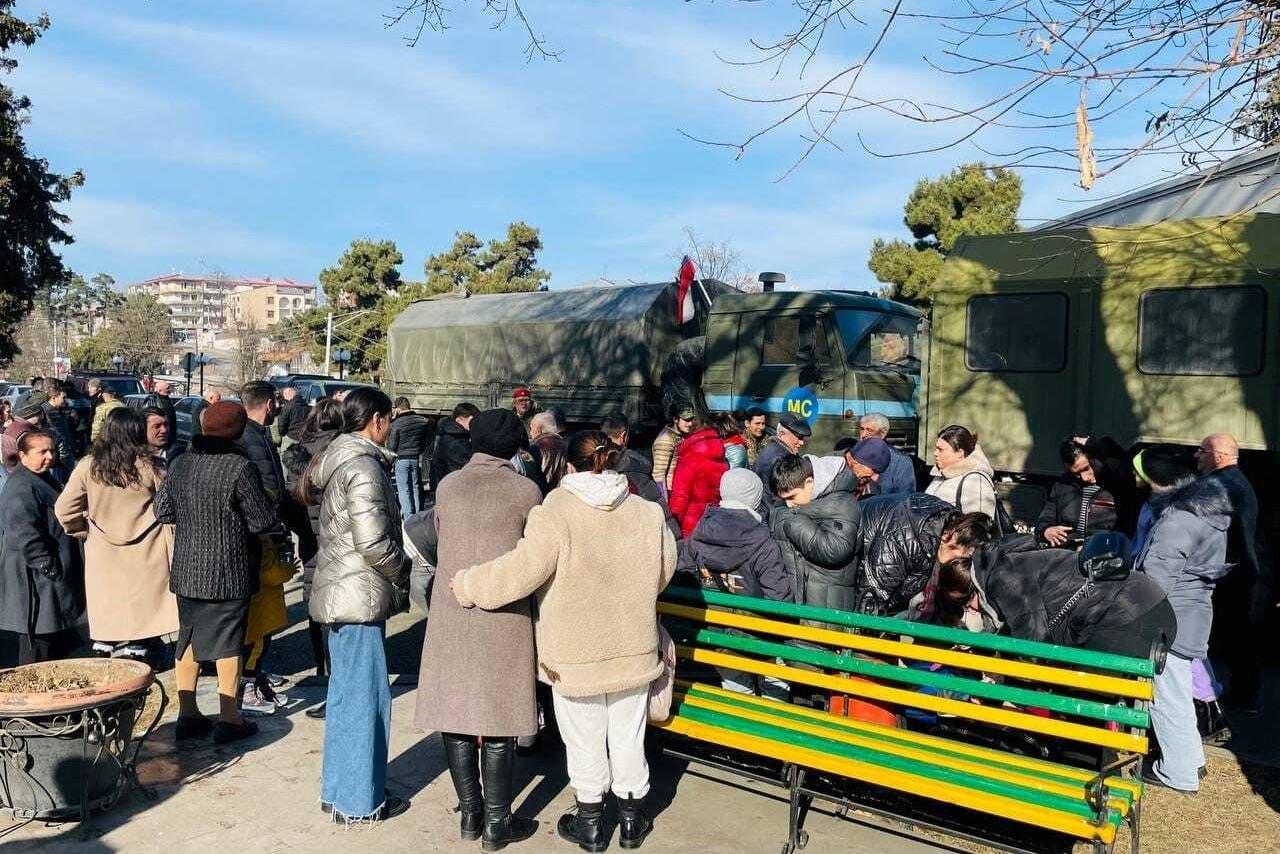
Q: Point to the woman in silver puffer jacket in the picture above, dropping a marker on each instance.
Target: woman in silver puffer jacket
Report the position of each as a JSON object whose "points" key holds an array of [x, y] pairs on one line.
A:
{"points": [[360, 565]]}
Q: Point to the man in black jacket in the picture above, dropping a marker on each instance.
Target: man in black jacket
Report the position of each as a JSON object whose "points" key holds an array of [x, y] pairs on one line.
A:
{"points": [[1078, 505], [636, 467], [407, 440], [259, 401], [159, 398], [817, 530], [897, 549], [787, 441], [292, 414], [453, 443], [1245, 596]]}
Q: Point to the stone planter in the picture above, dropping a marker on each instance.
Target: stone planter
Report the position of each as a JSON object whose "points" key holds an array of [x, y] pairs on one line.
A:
{"points": [[67, 745]]}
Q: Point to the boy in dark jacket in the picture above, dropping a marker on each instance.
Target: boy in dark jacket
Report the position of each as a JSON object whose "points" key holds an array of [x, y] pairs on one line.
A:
{"points": [[453, 444], [1078, 505], [817, 530], [407, 440], [731, 548]]}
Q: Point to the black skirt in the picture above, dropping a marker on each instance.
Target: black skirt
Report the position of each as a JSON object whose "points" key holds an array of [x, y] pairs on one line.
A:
{"points": [[214, 629]]}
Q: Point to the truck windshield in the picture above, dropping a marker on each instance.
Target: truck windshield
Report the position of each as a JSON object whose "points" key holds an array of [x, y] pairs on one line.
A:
{"points": [[874, 339]]}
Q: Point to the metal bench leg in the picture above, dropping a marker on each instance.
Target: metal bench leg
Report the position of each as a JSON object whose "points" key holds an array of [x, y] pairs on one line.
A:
{"points": [[1135, 827], [797, 836]]}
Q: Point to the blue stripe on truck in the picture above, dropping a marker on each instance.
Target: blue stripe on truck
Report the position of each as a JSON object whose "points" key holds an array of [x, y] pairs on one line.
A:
{"points": [[832, 406]]}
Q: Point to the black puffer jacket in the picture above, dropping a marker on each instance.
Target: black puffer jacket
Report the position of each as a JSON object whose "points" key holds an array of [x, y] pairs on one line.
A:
{"points": [[819, 541], [734, 541], [897, 549], [408, 436], [1024, 588], [214, 499], [453, 451], [257, 445], [1063, 508]]}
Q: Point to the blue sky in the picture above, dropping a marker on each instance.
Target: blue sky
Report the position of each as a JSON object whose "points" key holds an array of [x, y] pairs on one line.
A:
{"points": [[260, 138]]}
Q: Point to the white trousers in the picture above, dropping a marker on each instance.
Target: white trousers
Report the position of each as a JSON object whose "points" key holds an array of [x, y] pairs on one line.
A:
{"points": [[604, 743]]}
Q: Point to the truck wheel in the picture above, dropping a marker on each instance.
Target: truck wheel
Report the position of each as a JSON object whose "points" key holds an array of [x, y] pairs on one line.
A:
{"points": [[682, 376]]}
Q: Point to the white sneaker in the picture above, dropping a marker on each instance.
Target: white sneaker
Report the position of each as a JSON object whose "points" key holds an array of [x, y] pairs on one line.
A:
{"points": [[275, 680], [253, 702]]}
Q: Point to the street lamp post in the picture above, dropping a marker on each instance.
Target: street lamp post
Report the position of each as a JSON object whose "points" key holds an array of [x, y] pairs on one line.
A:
{"points": [[342, 357]]}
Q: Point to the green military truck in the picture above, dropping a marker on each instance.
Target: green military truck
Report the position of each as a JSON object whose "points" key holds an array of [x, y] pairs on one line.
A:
{"points": [[1155, 333], [828, 356]]}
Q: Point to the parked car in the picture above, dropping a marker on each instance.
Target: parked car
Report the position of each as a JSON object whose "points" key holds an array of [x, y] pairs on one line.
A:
{"points": [[313, 390], [15, 392], [121, 384]]}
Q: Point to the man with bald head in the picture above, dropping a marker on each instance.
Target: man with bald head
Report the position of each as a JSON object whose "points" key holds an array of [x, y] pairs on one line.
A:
{"points": [[210, 397], [1243, 597]]}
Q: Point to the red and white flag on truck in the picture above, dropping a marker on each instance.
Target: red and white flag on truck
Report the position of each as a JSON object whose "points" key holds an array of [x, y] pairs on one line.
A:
{"points": [[684, 291]]}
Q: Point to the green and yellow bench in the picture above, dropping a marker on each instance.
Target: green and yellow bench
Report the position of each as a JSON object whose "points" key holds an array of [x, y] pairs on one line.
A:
{"points": [[1078, 703]]}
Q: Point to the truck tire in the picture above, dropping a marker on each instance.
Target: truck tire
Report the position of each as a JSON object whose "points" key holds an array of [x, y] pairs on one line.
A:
{"points": [[682, 377]]}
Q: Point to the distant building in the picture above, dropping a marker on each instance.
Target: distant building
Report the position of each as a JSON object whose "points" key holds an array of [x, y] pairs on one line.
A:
{"points": [[265, 302], [202, 305]]}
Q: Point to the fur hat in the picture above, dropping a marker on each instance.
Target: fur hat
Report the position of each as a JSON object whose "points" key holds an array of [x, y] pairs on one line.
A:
{"points": [[223, 420]]}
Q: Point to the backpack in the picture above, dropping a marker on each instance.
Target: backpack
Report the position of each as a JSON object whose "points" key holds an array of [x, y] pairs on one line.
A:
{"points": [[1004, 524]]}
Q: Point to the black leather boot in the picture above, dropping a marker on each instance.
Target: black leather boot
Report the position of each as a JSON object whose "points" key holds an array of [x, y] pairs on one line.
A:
{"points": [[463, 755], [633, 822], [501, 826], [585, 827]]}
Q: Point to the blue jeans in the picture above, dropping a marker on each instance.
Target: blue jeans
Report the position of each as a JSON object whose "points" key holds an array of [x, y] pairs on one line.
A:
{"points": [[408, 485], [1173, 716], [357, 726]]}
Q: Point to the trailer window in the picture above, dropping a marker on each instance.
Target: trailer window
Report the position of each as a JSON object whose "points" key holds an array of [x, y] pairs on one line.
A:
{"points": [[781, 340], [1024, 333], [1202, 331]]}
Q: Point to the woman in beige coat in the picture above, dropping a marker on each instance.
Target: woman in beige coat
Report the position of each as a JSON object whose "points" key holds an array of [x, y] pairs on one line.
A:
{"points": [[596, 557], [961, 473], [107, 504]]}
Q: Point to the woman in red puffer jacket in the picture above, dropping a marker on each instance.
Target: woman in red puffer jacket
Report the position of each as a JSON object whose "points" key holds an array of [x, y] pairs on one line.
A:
{"points": [[696, 483]]}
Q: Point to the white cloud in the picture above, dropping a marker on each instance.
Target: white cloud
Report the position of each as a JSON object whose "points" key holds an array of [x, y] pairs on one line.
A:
{"points": [[405, 101], [89, 106], [133, 228]]}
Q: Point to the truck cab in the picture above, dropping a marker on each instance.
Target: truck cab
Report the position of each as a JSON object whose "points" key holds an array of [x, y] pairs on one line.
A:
{"points": [[829, 357]]}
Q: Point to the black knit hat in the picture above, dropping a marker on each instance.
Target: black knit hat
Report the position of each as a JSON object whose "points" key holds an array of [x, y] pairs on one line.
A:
{"points": [[1162, 465], [498, 433]]}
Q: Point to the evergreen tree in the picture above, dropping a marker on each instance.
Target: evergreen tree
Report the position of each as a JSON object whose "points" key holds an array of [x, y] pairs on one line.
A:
{"points": [[973, 199], [504, 266], [30, 224]]}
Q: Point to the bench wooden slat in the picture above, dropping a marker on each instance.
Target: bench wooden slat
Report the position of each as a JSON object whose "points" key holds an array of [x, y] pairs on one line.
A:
{"points": [[1099, 683], [1000, 643], [893, 673], [937, 744], [900, 780], [944, 749], [1050, 784], [1117, 740]]}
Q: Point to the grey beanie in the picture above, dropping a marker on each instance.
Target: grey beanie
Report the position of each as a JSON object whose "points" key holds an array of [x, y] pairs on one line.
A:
{"points": [[741, 489]]}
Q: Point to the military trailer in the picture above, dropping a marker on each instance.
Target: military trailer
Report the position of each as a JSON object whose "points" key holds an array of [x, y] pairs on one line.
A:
{"points": [[827, 356], [1154, 333], [588, 351]]}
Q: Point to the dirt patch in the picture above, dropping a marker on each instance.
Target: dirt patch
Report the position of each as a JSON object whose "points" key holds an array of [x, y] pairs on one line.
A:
{"points": [[46, 679]]}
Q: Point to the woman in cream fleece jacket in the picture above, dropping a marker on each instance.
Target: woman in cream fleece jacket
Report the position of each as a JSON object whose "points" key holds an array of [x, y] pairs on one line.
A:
{"points": [[596, 557]]}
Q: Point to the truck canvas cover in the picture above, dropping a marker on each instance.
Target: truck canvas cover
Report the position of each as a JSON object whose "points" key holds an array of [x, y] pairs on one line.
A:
{"points": [[610, 336]]}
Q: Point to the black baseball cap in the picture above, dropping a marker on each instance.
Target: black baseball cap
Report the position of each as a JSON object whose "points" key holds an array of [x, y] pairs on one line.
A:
{"points": [[796, 425]]}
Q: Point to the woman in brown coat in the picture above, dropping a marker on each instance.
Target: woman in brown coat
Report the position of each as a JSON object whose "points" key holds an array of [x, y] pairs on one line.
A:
{"points": [[478, 675], [107, 504]]}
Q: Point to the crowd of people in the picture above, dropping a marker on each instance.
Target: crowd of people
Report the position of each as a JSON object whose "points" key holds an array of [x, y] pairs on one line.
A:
{"points": [[539, 554]]}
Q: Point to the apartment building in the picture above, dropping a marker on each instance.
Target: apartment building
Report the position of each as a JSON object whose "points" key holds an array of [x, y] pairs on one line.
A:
{"points": [[266, 302], [201, 305]]}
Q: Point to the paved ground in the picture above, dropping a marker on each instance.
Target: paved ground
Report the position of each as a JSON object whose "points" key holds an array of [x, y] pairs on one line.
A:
{"points": [[262, 797]]}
